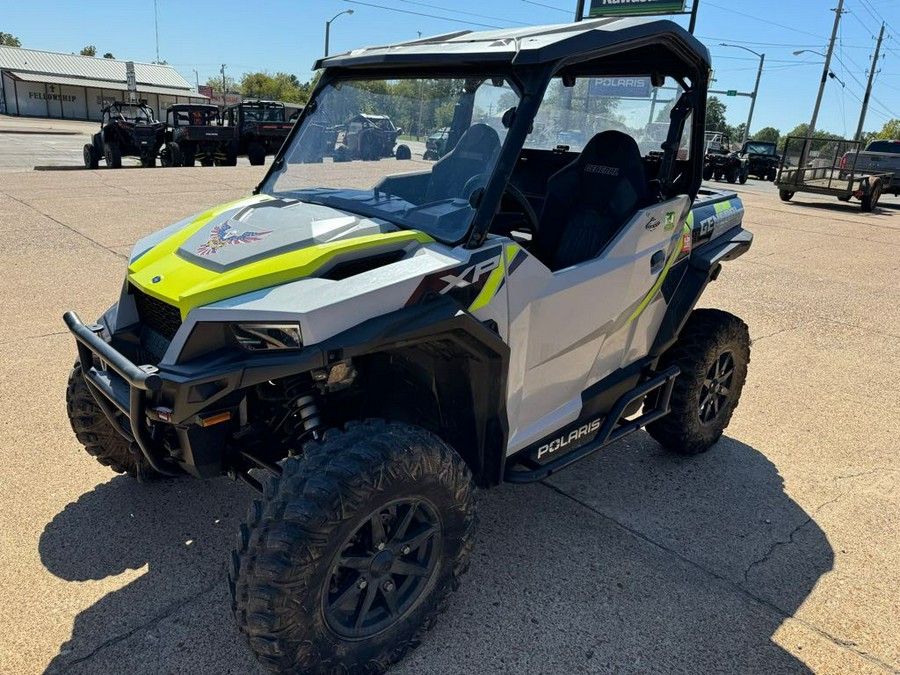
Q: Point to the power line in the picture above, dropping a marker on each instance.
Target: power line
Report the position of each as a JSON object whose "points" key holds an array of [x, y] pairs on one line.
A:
{"points": [[430, 16], [541, 4], [458, 11], [793, 29]]}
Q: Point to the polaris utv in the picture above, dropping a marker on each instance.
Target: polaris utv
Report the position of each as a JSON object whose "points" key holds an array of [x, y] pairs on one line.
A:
{"points": [[194, 134], [721, 163], [126, 130], [365, 344], [369, 137], [261, 128]]}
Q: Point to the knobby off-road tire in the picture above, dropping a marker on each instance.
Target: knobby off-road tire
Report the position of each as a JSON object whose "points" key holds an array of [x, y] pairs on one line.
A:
{"points": [[90, 157], [310, 585], [113, 155], [97, 435], [256, 153], [713, 352]]}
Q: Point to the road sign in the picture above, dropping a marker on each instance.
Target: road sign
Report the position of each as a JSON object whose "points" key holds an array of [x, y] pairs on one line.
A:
{"points": [[629, 7], [131, 81], [731, 92]]}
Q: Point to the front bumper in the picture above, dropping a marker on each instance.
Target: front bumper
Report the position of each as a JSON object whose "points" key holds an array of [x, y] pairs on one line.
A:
{"points": [[171, 410]]}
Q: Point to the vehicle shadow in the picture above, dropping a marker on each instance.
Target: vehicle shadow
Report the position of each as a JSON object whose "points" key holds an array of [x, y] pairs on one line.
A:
{"points": [[631, 561], [851, 207]]}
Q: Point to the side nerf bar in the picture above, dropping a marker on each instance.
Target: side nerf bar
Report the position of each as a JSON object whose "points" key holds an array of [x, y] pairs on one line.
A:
{"points": [[138, 378]]}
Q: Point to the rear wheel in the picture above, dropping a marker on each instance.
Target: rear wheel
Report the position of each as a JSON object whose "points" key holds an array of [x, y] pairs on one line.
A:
{"points": [[230, 155], [745, 174], [352, 551], [870, 201], [785, 195], [90, 157], [188, 156], [112, 154], [94, 431], [707, 173], [403, 152], [256, 153], [712, 351]]}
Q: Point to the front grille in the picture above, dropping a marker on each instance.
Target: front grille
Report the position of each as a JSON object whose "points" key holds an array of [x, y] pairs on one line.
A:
{"points": [[162, 317]]}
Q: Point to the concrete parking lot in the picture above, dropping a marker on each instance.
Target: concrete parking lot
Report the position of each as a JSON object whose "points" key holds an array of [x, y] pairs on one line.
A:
{"points": [[776, 552]]}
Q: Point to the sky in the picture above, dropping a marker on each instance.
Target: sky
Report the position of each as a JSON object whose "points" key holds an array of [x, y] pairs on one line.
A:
{"points": [[288, 35]]}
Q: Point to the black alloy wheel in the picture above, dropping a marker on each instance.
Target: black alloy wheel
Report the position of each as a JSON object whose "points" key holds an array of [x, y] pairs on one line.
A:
{"points": [[382, 569], [716, 388]]}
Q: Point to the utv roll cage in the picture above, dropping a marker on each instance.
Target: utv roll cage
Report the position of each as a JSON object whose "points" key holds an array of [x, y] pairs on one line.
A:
{"points": [[529, 58]]}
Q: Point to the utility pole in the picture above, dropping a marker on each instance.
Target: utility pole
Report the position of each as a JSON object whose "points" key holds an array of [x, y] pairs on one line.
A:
{"points": [[579, 11], [694, 5], [156, 21], [865, 105], [815, 116], [197, 78], [224, 91]]}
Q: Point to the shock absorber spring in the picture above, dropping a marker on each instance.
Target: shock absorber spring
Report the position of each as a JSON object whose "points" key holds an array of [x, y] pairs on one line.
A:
{"points": [[308, 411]]}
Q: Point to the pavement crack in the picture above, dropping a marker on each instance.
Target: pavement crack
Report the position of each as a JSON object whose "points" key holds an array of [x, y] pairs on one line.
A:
{"points": [[738, 587], [62, 224], [152, 623]]}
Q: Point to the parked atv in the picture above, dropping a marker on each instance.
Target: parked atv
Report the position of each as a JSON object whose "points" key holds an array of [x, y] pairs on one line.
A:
{"points": [[194, 134], [261, 128], [762, 159], [722, 164], [380, 342], [436, 144], [369, 137], [126, 130]]}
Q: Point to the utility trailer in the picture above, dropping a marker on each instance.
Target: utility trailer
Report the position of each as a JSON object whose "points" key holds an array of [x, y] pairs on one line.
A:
{"points": [[828, 167]]}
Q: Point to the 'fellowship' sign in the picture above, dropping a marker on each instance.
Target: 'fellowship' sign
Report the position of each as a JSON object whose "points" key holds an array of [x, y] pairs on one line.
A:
{"points": [[630, 7]]}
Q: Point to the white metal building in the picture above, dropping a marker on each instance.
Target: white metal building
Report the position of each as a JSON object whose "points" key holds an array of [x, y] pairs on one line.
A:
{"points": [[46, 84]]}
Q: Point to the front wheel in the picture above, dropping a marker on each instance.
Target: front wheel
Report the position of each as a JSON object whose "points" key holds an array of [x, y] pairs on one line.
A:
{"points": [[744, 176], [403, 152], [712, 351], [352, 551], [170, 155], [732, 174], [113, 155], [94, 431]]}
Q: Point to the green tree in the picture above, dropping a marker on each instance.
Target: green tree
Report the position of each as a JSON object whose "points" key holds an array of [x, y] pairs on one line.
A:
{"points": [[216, 84], [108, 55], [715, 114], [767, 134], [890, 131], [90, 50], [9, 40], [279, 87]]}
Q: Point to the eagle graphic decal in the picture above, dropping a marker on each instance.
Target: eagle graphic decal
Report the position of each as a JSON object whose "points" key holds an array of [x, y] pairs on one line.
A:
{"points": [[224, 234]]}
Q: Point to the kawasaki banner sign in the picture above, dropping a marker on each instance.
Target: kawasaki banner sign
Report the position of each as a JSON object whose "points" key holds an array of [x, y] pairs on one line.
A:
{"points": [[628, 7]]}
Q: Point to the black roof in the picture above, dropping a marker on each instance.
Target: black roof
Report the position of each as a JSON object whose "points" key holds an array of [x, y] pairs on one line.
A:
{"points": [[523, 46], [193, 106]]}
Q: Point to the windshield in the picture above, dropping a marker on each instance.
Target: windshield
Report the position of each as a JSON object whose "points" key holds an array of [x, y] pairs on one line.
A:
{"points": [[194, 116], [884, 146], [368, 147], [132, 113], [263, 113], [761, 149]]}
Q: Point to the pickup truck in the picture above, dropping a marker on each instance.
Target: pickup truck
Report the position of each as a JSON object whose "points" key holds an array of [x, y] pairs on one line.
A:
{"points": [[878, 157]]}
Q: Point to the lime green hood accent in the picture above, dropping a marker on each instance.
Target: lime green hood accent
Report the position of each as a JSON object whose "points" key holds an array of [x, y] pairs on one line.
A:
{"points": [[252, 244]]}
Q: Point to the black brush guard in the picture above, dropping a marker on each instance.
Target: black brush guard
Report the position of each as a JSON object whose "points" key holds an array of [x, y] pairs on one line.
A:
{"points": [[109, 396]]}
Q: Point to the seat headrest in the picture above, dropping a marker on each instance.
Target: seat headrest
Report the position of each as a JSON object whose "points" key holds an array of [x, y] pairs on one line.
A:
{"points": [[611, 167], [479, 143]]}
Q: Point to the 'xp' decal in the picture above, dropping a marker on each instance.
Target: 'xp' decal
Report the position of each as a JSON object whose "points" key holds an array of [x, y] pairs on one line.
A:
{"points": [[224, 234], [470, 275]]}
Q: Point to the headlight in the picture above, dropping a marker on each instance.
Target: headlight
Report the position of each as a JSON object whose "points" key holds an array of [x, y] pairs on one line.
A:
{"points": [[256, 337]]}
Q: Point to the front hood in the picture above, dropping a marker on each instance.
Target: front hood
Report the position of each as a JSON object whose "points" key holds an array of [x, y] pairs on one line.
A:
{"points": [[252, 244]]}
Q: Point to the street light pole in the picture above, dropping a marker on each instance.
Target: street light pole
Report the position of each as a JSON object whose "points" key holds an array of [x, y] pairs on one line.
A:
{"points": [[328, 27], [762, 60]]}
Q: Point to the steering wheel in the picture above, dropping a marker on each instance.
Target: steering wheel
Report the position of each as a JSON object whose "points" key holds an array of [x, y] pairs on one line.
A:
{"points": [[533, 222]]}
